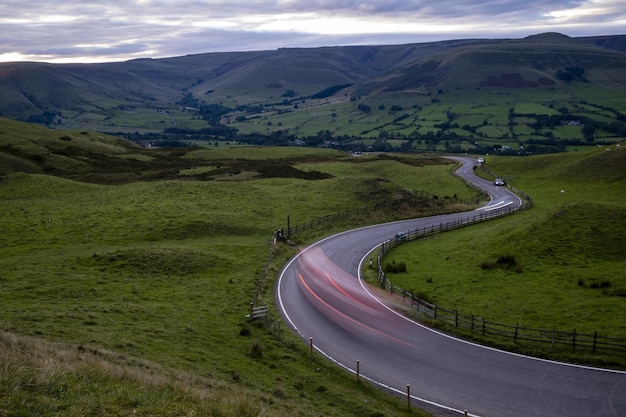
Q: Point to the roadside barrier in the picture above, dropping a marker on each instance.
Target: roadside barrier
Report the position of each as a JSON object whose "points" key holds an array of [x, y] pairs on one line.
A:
{"points": [[280, 234], [480, 326], [341, 215]]}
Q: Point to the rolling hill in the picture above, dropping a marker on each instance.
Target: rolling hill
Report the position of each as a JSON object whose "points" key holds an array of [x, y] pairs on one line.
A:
{"points": [[302, 91]]}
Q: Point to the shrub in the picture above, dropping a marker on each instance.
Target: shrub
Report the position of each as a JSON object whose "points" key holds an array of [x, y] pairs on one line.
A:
{"points": [[504, 262], [256, 350], [245, 330], [395, 268], [423, 296], [487, 266]]}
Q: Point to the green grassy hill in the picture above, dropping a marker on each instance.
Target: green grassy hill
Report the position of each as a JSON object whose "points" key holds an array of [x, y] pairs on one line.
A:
{"points": [[568, 252], [126, 273], [451, 94]]}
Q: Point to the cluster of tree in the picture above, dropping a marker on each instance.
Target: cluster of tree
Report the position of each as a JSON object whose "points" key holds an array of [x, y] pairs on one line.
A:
{"points": [[542, 121], [327, 92], [570, 74], [46, 118], [178, 137], [618, 128], [188, 100], [365, 108], [212, 113]]}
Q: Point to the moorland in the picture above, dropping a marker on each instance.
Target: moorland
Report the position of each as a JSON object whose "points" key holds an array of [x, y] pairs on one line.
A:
{"points": [[127, 273], [543, 93]]}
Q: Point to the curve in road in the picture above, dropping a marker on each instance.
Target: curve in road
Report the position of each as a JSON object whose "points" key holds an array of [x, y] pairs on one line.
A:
{"points": [[323, 299]]}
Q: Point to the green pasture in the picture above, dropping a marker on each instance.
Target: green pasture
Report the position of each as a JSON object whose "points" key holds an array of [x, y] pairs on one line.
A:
{"points": [[568, 248], [485, 109], [592, 95], [404, 175], [598, 116], [494, 131], [473, 120], [149, 282], [139, 118], [522, 130], [489, 110], [262, 152], [568, 132], [534, 108]]}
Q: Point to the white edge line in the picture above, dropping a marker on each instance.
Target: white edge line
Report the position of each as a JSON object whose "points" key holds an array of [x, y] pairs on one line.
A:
{"points": [[336, 362], [573, 365], [364, 287]]}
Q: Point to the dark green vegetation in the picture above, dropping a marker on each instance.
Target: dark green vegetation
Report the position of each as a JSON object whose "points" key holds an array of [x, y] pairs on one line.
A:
{"points": [[543, 93], [126, 273], [559, 265]]}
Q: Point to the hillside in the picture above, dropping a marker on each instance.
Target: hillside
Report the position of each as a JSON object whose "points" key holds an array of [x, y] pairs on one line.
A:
{"points": [[126, 273], [441, 95]]}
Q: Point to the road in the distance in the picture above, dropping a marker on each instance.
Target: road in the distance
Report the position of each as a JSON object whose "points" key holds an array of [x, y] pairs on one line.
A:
{"points": [[321, 297]]}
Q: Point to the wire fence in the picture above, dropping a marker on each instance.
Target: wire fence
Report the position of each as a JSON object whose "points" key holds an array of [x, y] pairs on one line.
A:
{"points": [[475, 325], [480, 326], [414, 198]]}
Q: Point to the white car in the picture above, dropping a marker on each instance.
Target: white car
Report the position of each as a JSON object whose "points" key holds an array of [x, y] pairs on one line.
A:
{"points": [[480, 160], [498, 181]]}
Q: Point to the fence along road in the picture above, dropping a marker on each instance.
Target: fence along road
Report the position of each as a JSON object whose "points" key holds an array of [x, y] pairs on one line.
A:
{"points": [[321, 298]]}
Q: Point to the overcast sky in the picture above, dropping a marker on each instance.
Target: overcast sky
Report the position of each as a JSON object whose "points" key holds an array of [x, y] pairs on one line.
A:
{"points": [[119, 30]]}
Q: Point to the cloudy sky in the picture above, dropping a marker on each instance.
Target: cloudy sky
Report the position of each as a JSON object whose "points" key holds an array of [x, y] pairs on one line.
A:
{"points": [[118, 30]]}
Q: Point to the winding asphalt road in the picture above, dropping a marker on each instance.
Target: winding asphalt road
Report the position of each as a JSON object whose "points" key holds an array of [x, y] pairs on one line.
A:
{"points": [[322, 298]]}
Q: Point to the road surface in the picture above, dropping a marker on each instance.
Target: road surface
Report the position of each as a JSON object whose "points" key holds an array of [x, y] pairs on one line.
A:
{"points": [[321, 297]]}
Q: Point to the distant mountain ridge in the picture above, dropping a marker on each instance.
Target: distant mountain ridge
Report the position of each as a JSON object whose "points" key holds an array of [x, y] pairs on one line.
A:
{"points": [[96, 92]]}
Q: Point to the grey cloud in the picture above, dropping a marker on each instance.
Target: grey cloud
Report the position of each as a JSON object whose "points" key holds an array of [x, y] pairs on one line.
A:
{"points": [[170, 28]]}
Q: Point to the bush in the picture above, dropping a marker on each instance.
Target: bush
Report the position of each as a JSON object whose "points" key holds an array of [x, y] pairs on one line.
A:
{"points": [[256, 350], [423, 296], [245, 330], [395, 268], [504, 262]]}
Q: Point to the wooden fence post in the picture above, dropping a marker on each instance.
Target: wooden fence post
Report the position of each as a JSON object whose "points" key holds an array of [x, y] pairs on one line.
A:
{"points": [[408, 396], [358, 370]]}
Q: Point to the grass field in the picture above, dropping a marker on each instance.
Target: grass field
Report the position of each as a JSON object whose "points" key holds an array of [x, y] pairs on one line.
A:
{"points": [[480, 115], [127, 295], [569, 250]]}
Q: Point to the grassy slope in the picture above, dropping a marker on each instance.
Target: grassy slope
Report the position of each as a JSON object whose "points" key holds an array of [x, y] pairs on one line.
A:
{"points": [[569, 249], [132, 297], [125, 96]]}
